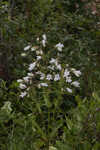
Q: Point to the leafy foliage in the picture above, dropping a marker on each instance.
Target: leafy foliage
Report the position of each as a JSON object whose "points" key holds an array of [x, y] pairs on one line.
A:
{"points": [[49, 119]]}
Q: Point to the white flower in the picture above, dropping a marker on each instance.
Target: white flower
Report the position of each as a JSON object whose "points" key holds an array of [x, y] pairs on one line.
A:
{"points": [[23, 94], [44, 40], [44, 43], [42, 76], [76, 72], [32, 66], [32, 49], [59, 46], [38, 57], [68, 79], [30, 74], [53, 61], [26, 79], [23, 54], [43, 84], [58, 66], [44, 37], [49, 77], [69, 90], [39, 52], [27, 48], [57, 77], [51, 67], [38, 72], [19, 80], [75, 83], [37, 39], [66, 73], [22, 86]]}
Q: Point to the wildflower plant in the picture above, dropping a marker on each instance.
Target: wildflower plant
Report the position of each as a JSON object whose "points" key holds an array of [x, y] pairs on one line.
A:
{"points": [[46, 70]]}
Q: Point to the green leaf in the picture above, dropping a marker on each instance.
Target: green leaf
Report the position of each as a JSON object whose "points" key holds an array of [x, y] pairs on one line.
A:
{"points": [[69, 123], [96, 146]]}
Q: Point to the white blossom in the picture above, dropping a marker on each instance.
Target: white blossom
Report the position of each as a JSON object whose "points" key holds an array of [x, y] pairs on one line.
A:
{"points": [[32, 66], [69, 90], [37, 39], [76, 84], [53, 60], [19, 80], [66, 73], [44, 37], [22, 86], [59, 66], [38, 72], [27, 48], [38, 57], [32, 49], [26, 79], [44, 43], [43, 84], [59, 46], [23, 54], [42, 76], [49, 77], [68, 79], [51, 67], [39, 52], [23, 94], [30, 74], [57, 77], [76, 72]]}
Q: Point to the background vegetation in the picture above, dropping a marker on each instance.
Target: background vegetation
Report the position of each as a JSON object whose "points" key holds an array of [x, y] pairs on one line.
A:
{"points": [[50, 121]]}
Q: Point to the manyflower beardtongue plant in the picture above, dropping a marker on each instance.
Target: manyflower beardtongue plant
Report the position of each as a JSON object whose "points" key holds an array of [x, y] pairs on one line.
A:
{"points": [[47, 70]]}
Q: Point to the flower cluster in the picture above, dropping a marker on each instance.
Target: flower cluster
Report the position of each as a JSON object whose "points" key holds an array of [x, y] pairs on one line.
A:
{"points": [[48, 71]]}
